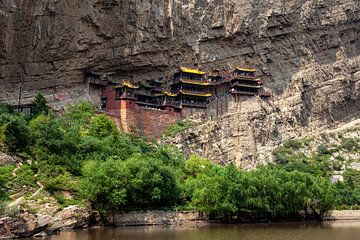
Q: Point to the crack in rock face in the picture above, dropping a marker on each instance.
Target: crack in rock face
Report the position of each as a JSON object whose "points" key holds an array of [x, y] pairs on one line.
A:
{"points": [[306, 51]]}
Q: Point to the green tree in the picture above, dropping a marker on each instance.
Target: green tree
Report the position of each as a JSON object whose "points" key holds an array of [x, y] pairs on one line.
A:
{"points": [[80, 114], [14, 132], [40, 105], [152, 183], [196, 165], [105, 184], [101, 126], [6, 108], [272, 192]]}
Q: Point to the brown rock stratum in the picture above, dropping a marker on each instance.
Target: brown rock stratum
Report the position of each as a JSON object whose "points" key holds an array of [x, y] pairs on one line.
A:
{"points": [[307, 52]]}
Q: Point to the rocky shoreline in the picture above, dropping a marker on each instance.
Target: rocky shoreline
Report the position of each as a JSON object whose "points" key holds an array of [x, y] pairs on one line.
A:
{"points": [[39, 226]]}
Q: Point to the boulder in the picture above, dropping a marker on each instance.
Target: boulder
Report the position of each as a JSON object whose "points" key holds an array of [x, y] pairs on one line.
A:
{"points": [[6, 159], [13, 227], [39, 225], [40, 235], [71, 217]]}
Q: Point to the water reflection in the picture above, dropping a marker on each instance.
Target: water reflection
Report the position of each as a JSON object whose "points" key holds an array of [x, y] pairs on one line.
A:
{"points": [[340, 230]]}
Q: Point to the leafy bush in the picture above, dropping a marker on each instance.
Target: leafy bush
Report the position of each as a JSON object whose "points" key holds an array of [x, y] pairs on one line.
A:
{"points": [[2, 207], [11, 211], [25, 176], [6, 108], [101, 126], [323, 150], [65, 202], [351, 144], [293, 144], [152, 183], [56, 178], [6, 178], [282, 154], [177, 127], [138, 182], [105, 184], [196, 165], [79, 114], [349, 190], [14, 132], [227, 191]]}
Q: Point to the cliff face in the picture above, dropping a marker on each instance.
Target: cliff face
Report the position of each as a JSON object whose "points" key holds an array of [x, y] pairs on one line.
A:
{"points": [[307, 52]]}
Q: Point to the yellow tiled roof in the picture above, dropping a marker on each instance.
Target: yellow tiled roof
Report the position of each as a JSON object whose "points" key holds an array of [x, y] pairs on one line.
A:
{"points": [[246, 69], [167, 93], [193, 71], [128, 84]]}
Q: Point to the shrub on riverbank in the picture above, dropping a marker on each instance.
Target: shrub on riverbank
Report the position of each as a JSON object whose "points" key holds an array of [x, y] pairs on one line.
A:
{"points": [[226, 191], [325, 162]]}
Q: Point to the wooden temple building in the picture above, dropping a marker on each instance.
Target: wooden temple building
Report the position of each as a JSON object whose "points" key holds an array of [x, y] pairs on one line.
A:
{"points": [[245, 82], [153, 105]]}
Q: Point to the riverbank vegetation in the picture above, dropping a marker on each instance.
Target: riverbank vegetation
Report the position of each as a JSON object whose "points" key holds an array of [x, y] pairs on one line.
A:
{"points": [[84, 155]]}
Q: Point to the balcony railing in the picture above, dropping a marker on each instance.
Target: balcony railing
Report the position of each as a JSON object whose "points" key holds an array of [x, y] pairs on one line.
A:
{"points": [[195, 93], [194, 104], [243, 92], [172, 104], [245, 85], [203, 82], [152, 104]]}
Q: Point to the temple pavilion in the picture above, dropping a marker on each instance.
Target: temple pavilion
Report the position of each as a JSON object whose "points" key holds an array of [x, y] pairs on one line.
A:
{"points": [[126, 90], [191, 87], [146, 96], [245, 82]]}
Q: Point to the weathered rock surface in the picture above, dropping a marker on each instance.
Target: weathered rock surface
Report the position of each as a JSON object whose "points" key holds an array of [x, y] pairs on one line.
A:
{"points": [[7, 158], [71, 217], [39, 225], [40, 212], [344, 215], [248, 137], [307, 51], [13, 227], [141, 218]]}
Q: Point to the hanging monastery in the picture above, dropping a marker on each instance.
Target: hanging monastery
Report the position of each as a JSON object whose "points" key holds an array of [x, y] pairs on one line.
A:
{"points": [[153, 105]]}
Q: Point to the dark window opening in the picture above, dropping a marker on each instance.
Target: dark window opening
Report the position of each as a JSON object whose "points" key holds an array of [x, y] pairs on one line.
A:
{"points": [[103, 103]]}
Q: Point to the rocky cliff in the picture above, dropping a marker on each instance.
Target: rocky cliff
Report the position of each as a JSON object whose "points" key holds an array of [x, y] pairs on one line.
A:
{"points": [[307, 52]]}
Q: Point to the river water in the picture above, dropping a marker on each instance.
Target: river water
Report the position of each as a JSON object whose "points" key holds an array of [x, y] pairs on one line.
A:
{"points": [[290, 231]]}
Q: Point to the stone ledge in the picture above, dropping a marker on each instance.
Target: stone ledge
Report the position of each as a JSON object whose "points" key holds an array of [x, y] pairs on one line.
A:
{"points": [[144, 218], [343, 215]]}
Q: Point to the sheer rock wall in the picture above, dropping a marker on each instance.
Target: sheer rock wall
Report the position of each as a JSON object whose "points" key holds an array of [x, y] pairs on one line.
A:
{"points": [[307, 52]]}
